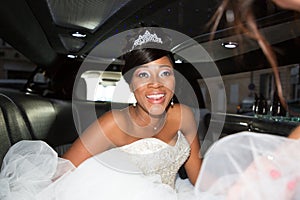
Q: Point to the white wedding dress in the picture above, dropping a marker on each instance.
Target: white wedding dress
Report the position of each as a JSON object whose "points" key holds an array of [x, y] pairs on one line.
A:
{"points": [[241, 166]]}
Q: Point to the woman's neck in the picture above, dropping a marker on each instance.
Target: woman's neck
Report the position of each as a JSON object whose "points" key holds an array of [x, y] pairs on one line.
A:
{"points": [[143, 119]]}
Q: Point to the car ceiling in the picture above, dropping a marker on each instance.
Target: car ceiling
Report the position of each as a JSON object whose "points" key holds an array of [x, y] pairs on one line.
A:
{"points": [[41, 30]]}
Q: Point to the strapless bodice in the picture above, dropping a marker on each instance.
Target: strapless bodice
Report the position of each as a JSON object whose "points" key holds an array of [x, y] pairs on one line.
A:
{"points": [[153, 156]]}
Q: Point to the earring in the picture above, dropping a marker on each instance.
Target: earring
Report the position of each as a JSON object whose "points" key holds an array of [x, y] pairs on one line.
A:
{"points": [[172, 103], [133, 99]]}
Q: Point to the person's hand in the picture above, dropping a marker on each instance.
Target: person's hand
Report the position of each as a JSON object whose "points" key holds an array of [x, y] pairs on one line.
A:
{"points": [[288, 4], [295, 134]]}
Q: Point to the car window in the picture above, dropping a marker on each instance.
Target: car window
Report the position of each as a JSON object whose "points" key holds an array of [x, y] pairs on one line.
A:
{"points": [[246, 89], [103, 85], [15, 68]]}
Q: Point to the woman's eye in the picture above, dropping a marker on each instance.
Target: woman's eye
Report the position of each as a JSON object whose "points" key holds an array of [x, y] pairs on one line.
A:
{"points": [[143, 75], [165, 73]]}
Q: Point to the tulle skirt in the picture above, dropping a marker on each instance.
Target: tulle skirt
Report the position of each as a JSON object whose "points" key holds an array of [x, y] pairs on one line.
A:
{"points": [[241, 166]]}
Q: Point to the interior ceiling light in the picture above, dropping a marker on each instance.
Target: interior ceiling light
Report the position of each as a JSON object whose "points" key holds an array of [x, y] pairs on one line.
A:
{"points": [[71, 56], [178, 61], [230, 45], [78, 35]]}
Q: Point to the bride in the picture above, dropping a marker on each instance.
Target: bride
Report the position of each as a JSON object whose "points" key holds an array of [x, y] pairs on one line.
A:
{"points": [[145, 143], [136, 152]]}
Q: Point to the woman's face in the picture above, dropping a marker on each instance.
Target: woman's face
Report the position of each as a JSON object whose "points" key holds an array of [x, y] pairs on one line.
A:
{"points": [[153, 85]]}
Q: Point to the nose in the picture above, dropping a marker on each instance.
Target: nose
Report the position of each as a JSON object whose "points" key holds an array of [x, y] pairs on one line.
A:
{"points": [[155, 82]]}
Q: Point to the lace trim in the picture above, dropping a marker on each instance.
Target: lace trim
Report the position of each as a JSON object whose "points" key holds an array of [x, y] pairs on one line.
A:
{"points": [[153, 156]]}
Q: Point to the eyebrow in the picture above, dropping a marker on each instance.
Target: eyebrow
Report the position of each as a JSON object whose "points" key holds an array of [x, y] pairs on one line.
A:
{"points": [[160, 66]]}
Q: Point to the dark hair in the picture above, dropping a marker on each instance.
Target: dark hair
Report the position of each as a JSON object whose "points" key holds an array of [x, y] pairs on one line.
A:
{"points": [[145, 51], [142, 56]]}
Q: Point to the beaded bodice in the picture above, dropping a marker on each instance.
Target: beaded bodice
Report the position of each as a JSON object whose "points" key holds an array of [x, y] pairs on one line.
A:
{"points": [[153, 156]]}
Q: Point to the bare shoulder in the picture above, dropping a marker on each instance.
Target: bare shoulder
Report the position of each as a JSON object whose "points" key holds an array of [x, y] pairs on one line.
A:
{"points": [[184, 116], [182, 110], [114, 123], [112, 118]]}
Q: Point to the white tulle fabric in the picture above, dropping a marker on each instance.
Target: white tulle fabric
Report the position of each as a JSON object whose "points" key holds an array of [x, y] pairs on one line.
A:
{"points": [[28, 168], [245, 165], [251, 166]]}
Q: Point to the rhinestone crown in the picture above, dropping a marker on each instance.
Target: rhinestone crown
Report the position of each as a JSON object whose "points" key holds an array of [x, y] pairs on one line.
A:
{"points": [[144, 39]]}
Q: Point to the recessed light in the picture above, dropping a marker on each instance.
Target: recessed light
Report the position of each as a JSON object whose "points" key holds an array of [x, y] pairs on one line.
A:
{"points": [[178, 61], [78, 34], [71, 56], [230, 45]]}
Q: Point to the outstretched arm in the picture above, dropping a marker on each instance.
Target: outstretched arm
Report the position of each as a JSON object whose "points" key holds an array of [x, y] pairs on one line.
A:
{"points": [[288, 4], [94, 140], [189, 128]]}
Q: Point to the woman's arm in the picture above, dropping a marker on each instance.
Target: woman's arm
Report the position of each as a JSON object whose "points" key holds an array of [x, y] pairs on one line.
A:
{"points": [[295, 134], [193, 164], [288, 4], [94, 140], [189, 129]]}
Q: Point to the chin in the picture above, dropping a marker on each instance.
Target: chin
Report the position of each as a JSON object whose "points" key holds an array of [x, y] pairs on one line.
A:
{"points": [[157, 109]]}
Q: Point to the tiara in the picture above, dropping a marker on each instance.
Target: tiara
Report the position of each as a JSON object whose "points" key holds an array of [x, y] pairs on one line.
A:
{"points": [[144, 39]]}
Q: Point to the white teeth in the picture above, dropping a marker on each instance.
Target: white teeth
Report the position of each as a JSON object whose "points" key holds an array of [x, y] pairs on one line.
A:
{"points": [[155, 96]]}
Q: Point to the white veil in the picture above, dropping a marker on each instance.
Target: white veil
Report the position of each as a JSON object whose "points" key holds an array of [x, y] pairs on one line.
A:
{"points": [[251, 165], [28, 167]]}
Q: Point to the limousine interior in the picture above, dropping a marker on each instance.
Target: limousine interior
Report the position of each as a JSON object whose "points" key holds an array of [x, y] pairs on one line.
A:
{"points": [[46, 94]]}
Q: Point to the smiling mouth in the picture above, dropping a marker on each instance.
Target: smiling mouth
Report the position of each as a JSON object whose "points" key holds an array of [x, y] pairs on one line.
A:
{"points": [[155, 97]]}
